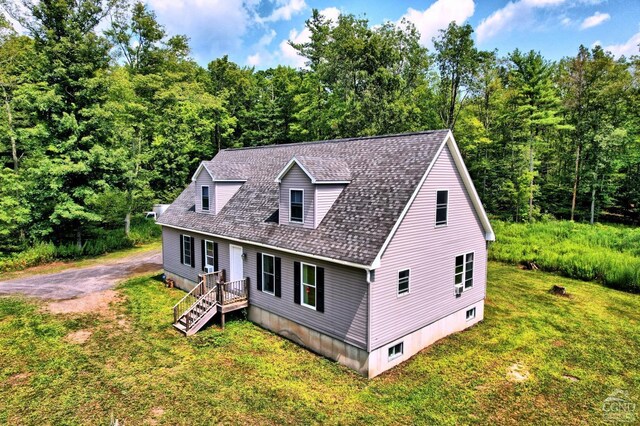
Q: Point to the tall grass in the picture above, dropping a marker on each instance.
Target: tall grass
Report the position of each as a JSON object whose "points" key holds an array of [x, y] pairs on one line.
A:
{"points": [[606, 253], [101, 242]]}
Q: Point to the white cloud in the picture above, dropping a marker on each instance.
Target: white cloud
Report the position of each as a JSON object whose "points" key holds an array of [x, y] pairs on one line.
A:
{"points": [[288, 54], [515, 13], [254, 60], [630, 47], [284, 11], [266, 39], [214, 26], [566, 21], [594, 20], [438, 16]]}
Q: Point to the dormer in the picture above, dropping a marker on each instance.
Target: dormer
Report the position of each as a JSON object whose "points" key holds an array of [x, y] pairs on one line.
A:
{"points": [[215, 185], [308, 187]]}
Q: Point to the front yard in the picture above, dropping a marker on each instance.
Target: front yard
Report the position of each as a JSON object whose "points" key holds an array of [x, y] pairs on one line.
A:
{"points": [[536, 358]]}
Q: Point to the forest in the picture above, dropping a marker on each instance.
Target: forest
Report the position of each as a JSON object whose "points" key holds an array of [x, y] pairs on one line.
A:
{"points": [[103, 114]]}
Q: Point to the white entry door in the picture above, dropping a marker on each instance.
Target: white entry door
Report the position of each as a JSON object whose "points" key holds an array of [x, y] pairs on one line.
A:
{"points": [[235, 264]]}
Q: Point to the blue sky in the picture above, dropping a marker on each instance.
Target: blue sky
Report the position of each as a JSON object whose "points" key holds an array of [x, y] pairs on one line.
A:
{"points": [[255, 32]]}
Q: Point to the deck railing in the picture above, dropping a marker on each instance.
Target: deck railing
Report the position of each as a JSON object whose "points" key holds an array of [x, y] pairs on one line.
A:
{"points": [[233, 291], [211, 289]]}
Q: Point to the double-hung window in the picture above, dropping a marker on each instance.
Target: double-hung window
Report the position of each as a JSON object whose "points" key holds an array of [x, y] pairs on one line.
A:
{"points": [[209, 253], [442, 205], [268, 274], [403, 282], [464, 270], [205, 198], [308, 283], [186, 250], [296, 205]]}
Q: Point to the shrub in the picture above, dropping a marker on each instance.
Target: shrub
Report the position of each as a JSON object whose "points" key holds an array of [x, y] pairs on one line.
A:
{"points": [[102, 241]]}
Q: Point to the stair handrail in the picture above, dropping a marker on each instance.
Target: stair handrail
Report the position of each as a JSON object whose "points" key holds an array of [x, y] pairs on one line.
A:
{"points": [[211, 296], [193, 296]]}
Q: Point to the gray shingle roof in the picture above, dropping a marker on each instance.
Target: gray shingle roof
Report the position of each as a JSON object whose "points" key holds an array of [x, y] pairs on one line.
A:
{"points": [[384, 172], [325, 169]]}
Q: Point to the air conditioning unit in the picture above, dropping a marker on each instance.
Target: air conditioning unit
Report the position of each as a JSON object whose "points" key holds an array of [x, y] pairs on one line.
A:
{"points": [[458, 289], [208, 269]]}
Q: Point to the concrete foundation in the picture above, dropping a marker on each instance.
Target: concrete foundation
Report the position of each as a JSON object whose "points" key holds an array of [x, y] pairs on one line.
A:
{"points": [[344, 353], [181, 283]]}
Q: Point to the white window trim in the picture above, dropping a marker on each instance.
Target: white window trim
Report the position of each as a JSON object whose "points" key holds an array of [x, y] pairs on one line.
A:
{"points": [[464, 269], [406, 293], [274, 274], [467, 312], [208, 196], [442, 225], [397, 354], [184, 257], [302, 284], [295, 221], [213, 256]]}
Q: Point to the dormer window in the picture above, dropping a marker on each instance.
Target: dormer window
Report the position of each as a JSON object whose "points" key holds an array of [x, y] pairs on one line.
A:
{"points": [[205, 198], [296, 205]]}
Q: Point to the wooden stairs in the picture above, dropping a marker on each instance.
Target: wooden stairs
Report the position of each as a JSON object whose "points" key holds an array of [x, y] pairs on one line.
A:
{"points": [[212, 295]]}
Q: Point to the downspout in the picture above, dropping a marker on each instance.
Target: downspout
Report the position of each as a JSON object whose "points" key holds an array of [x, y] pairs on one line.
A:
{"points": [[368, 273]]}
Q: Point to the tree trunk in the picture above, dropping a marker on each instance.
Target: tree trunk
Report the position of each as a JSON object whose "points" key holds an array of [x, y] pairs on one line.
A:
{"points": [[12, 134], [593, 204], [127, 223], [531, 181], [575, 183], [79, 238]]}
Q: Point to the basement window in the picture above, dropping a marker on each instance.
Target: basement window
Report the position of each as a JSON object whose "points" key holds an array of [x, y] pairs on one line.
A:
{"points": [[471, 314], [396, 350]]}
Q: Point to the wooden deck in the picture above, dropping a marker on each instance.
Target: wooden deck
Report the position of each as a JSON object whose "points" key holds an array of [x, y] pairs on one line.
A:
{"points": [[211, 296]]}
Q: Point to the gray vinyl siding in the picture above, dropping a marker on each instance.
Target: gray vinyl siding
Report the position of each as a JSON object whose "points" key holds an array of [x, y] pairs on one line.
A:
{"points": [[326, 195], [430, 254], [223, 193], [345, 288], [297, 179], [203, 179], [171, 254]]}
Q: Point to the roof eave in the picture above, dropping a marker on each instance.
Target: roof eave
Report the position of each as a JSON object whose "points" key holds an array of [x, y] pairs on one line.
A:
{"points": [[272, 247]]}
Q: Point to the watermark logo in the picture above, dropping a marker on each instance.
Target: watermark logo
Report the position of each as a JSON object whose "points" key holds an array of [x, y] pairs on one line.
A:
{"points": [[619, 408]]}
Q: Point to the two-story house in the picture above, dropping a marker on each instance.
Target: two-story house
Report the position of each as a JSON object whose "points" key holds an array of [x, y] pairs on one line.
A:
{"points": [[364, 250]]}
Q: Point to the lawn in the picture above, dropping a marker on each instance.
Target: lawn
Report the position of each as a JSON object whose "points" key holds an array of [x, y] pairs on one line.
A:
{"points": [[573, 352]]}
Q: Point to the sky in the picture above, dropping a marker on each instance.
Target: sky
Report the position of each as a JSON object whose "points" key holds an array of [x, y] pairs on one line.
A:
{"points": [[256, 32]]}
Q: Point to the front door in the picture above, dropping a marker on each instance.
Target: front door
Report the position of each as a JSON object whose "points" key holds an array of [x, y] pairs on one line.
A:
{"points": [[235, 263]]}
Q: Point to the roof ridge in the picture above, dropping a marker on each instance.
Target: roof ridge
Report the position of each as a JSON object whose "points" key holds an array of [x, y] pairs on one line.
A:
{"points": [[358, 138]]}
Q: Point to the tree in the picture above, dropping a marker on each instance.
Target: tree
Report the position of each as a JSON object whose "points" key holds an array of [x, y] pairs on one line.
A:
{"points": [[596, 91], [456, 59], [536, 107]]}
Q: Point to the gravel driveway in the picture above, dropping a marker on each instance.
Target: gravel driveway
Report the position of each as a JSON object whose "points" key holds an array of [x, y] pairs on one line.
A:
{"points": [[78, 282]]}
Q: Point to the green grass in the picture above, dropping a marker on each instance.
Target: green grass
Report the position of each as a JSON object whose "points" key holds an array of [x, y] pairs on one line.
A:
{"points": [[609, 254], [145, 371]]}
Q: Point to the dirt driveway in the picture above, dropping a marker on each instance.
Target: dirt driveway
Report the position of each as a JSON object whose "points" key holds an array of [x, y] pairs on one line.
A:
{"points": [[78, 282]]}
